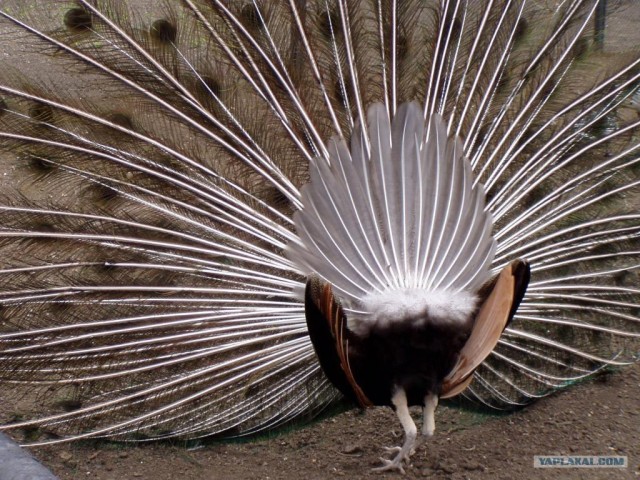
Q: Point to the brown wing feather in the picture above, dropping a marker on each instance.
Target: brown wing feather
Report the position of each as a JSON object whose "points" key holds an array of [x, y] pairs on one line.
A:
{"points": [[493, 316], [457, 389], [331, 313]]}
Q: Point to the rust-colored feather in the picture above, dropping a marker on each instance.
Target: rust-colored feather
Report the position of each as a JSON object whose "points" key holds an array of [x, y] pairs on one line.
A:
{"points": [[337, 321], [490, 322]]}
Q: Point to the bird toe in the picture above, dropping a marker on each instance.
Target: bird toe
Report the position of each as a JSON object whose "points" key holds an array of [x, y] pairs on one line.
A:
{"points": [[395, 464]]}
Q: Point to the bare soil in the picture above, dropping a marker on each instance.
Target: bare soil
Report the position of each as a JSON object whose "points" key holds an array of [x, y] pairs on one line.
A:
{"points": [[601, 417]]}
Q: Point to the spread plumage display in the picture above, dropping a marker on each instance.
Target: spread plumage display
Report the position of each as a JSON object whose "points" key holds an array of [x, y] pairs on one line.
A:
{"points": [[222, 217]]}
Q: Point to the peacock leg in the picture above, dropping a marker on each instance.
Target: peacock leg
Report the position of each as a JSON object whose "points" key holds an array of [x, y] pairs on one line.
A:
{"points": [[428, 415], [399, 401]]}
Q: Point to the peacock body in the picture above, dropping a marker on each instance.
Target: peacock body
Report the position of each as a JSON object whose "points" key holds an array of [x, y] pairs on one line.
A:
{"points": [[200, 193]]}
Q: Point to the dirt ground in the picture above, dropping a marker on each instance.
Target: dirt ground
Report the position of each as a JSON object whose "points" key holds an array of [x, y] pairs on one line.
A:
{"points": [[601, 417]]}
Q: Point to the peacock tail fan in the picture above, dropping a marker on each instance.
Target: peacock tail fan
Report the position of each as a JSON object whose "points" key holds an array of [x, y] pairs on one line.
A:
{"points": [[153, 158]]}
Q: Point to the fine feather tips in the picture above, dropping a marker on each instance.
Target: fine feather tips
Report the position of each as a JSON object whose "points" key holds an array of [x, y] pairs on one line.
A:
{"points": [[368, 229]]}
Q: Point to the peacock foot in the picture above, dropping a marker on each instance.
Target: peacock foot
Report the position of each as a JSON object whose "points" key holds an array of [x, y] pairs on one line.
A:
{"points": [[402, 454]]}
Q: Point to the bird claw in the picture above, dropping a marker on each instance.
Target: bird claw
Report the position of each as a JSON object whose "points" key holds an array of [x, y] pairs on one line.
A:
{"points": [[392, 449], [395, 464], [397, 451]]}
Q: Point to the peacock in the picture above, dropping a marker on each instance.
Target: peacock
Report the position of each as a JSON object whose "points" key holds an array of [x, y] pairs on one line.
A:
{"points": [[221, 217]]}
